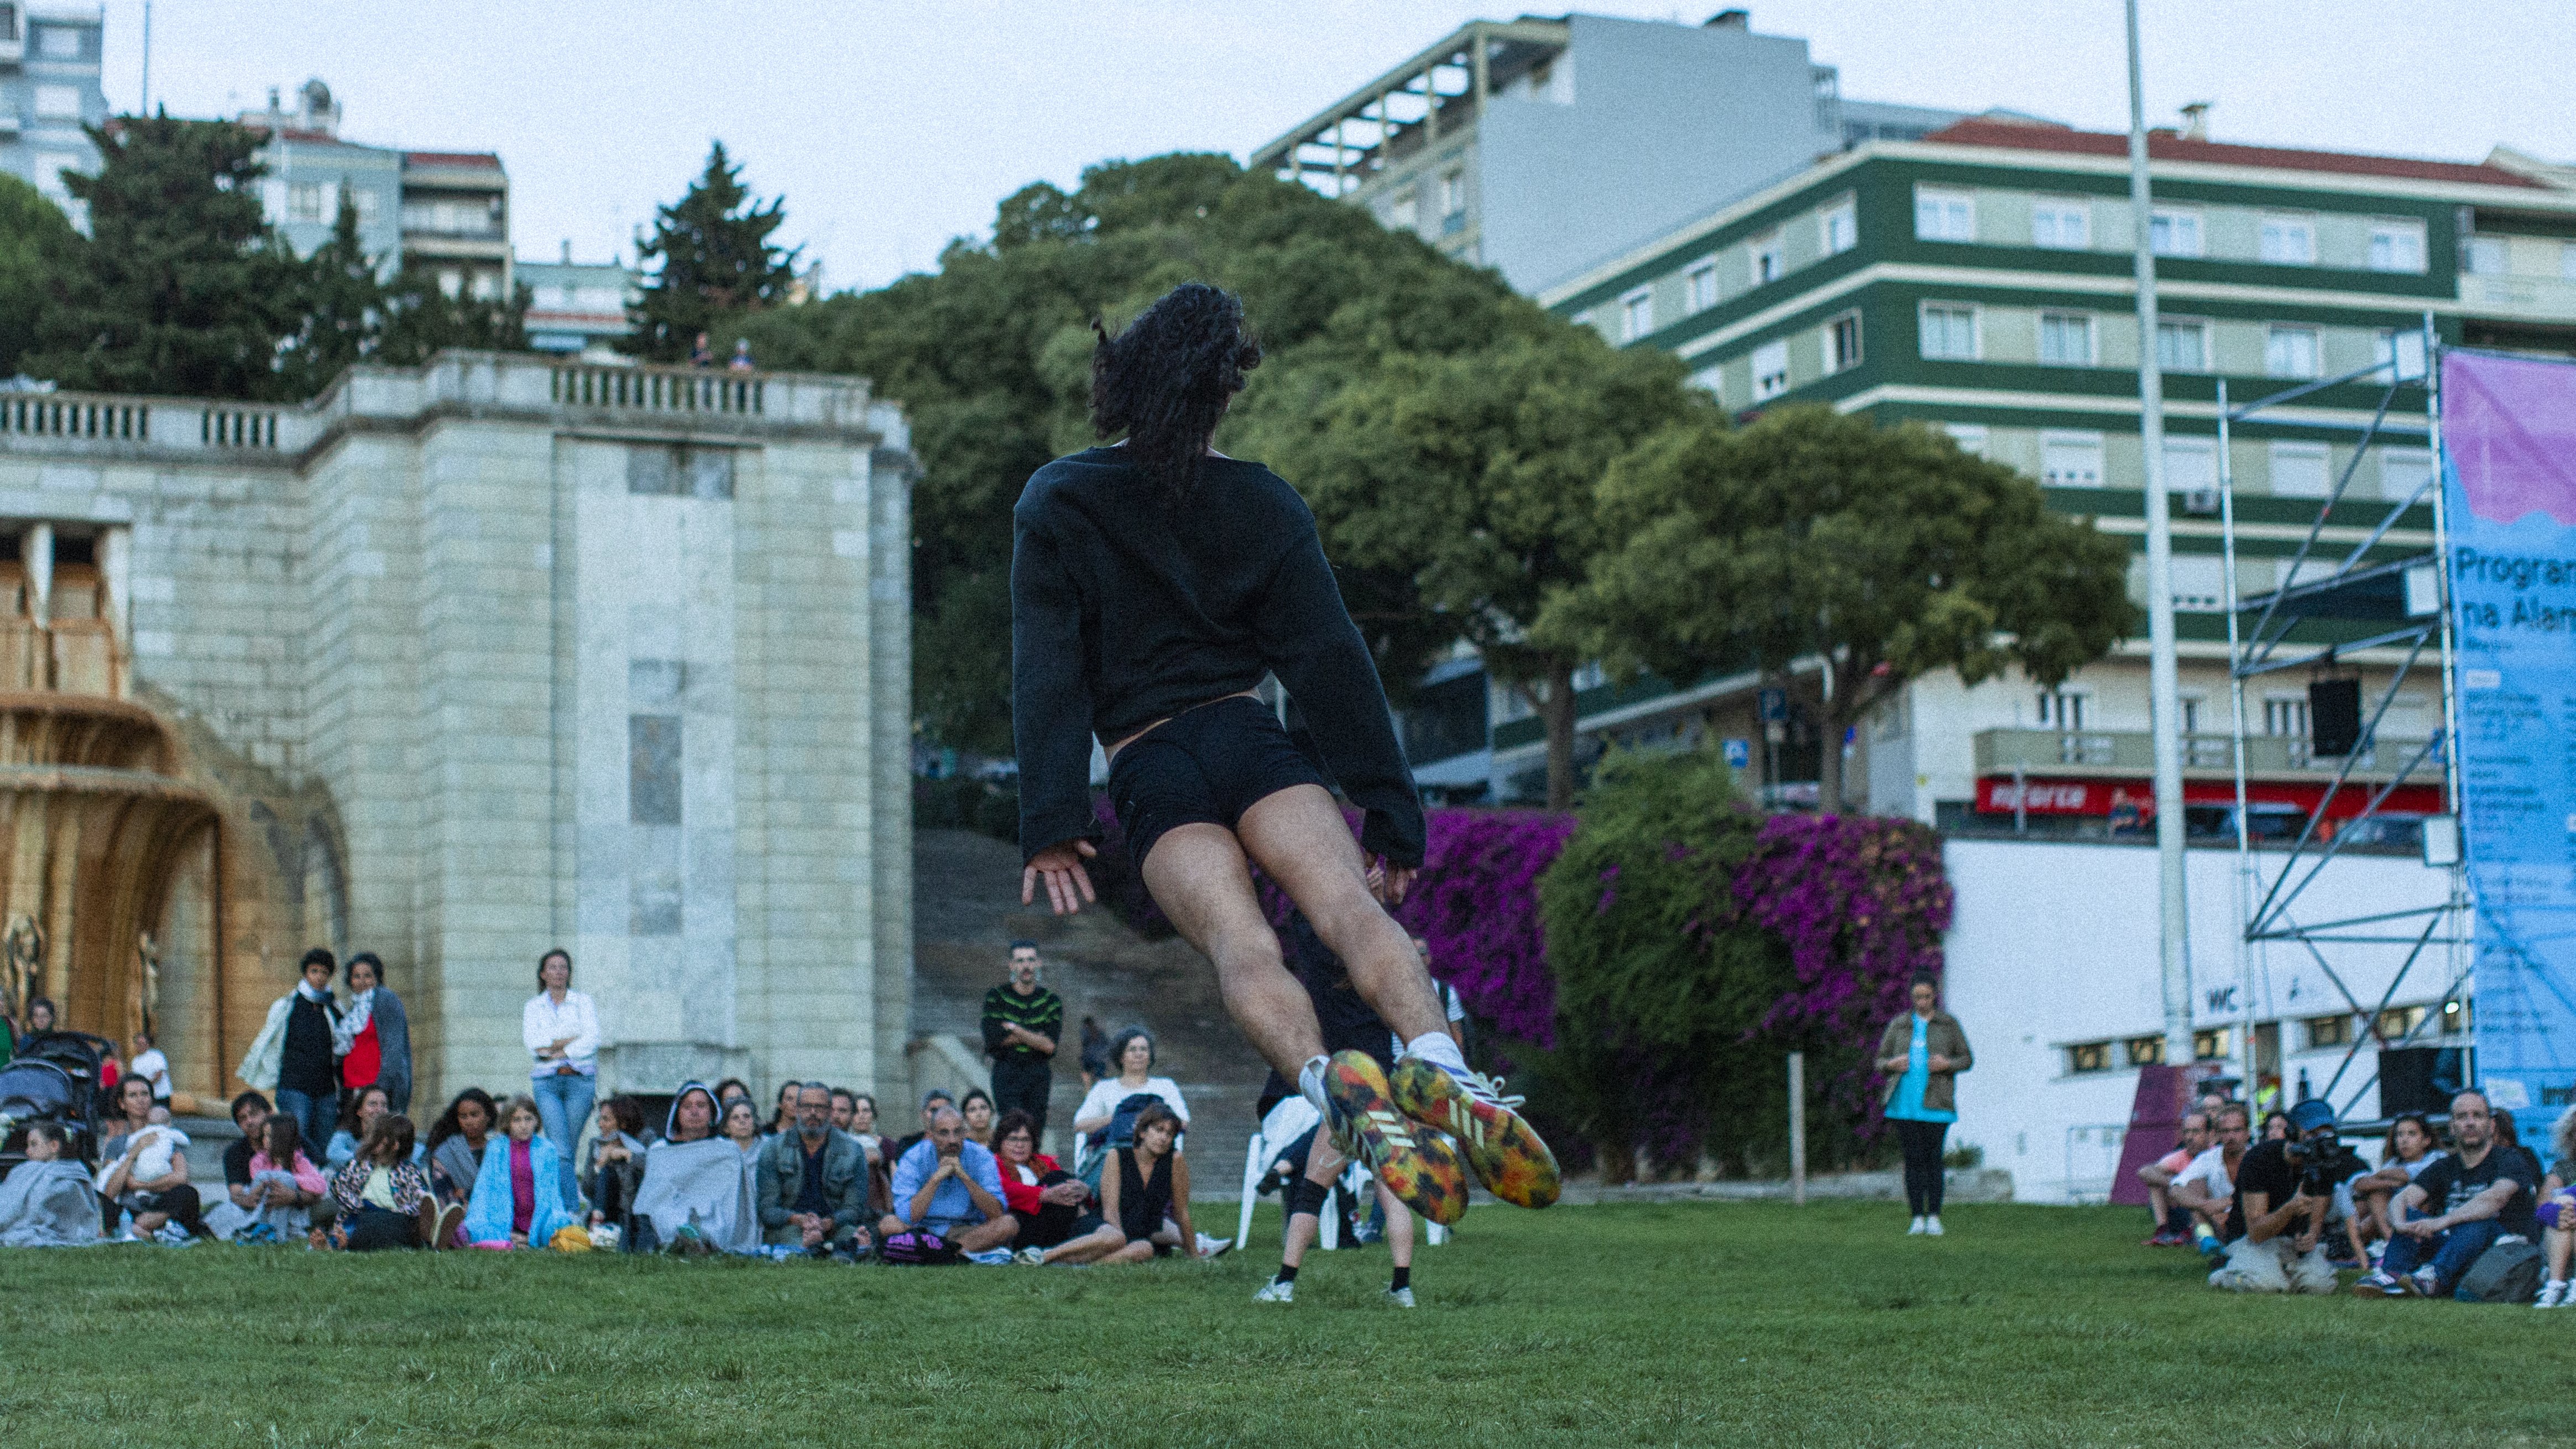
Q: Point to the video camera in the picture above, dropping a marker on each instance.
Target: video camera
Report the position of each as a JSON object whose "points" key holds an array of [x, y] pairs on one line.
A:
{"points": [[2316, 1151]]}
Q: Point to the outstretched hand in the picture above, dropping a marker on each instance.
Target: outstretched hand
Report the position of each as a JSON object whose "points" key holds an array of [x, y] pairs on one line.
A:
{"points": [[1061, 867]]}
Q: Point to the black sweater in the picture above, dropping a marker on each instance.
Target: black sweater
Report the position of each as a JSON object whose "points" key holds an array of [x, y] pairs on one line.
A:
{"points": [[1125, 611]]}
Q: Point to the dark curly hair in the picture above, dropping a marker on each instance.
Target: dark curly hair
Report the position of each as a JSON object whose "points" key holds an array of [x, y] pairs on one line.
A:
{"points": [[1165, 380]]}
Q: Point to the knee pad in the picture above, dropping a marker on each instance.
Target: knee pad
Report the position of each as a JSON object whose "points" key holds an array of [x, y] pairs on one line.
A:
{"points": [[1307, 1197]]}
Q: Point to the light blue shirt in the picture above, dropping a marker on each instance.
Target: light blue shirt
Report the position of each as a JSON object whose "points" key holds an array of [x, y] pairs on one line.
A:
{"points": [[951, 1206], [1908, 1105]]}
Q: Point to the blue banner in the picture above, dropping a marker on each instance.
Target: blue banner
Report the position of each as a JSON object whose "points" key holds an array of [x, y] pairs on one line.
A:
{"points": [[2509, 475]]}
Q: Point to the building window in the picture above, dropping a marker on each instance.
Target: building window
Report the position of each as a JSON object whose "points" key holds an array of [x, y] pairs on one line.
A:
{"points": [[2172, 232], [653, 769], [2483, 255], [2286, 716], [2405, 348], [2299, 470], [2404, 473], [1770, 370], [2066, 339], [2144, 1051], [2060, 710], [58, 42], [2070, 460], [2397, 1021], [1770, 260], [2211, 1044], [1453, 201], [310, 201], [1949, 330], [1699, 287], [2327, 1031], [2191, 466], [2182, 346], [1838, 228], [669, 472], [2289, 240], [2089, 1056], [58, 103], [1406, 213], [2061, 223], [2199, 587], [2290, 352], [1971, 437], [1636, 314], [1842, 343], [2397, 246], [1941, 215]]}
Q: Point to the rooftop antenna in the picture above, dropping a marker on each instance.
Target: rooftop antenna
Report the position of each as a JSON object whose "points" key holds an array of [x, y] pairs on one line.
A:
{"points": [[2195, 121], [144, 107]]}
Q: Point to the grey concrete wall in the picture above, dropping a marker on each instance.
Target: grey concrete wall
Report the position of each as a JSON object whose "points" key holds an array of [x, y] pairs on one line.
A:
{"points": [[1667, 122]]}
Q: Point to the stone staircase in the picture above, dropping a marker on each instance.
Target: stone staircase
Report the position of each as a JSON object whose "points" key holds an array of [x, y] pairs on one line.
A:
{"points": [[967, 911]]}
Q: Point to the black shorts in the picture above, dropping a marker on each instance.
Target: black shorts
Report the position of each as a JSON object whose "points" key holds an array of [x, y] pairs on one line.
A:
{"points": [[1204, 766]]}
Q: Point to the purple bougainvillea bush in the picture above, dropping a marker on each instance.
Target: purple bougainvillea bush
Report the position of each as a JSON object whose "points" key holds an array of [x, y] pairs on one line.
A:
{"points": [[1476, 905]]}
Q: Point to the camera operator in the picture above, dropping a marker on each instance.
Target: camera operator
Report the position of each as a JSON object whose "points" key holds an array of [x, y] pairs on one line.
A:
{"points": [[2284, 1189], [2486, 1191]]}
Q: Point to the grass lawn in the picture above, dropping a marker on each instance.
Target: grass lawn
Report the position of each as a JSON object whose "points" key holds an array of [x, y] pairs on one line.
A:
{"points": [[1680, 1324]]}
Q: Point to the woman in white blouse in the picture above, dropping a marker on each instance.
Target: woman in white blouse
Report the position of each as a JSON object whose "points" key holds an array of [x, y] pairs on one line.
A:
{"points": [[561, 1029], [1132, 1052]]}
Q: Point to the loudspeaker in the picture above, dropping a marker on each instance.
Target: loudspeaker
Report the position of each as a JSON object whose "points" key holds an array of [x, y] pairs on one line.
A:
{"points": [[2406, 1081], [2334, 716]]}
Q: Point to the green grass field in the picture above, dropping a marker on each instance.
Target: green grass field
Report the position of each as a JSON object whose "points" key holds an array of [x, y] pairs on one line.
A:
{"points": [[1682, 1324]]}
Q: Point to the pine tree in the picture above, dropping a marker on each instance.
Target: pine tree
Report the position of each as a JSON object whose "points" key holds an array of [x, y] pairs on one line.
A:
{"points": [[343, 306], [183, 288], [421, 320], [36, 243], [716, 258]]}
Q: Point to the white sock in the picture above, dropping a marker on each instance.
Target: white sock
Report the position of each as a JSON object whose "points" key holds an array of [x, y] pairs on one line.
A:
{"points": [[1310, 1083], [1439, 1049]]}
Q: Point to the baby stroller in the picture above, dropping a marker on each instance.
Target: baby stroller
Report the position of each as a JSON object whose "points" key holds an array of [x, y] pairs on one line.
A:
{"points": [[54, 1078]]}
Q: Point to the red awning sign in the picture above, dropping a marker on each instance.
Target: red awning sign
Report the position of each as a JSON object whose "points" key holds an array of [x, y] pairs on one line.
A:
{"points": [[1999, 795]]}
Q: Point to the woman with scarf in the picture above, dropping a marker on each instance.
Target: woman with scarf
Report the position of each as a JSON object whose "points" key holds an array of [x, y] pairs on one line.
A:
{"points": [[518, 1198], [372, 1038], [698, 1194]]}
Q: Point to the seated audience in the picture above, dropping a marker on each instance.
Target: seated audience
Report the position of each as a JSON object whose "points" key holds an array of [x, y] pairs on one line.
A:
{"points": [[250, 1114], [844, 1107], [384, 1195], [814, 1183], [729, 1089], [2276, 1226], [1145, 1191], [2484, 1190], [742, 1126], [2409, 1150], [2173, 1222], [1133, 1053], [2276, 1126], [1051, 1205], [47, 1201], [697, 1195], [613, 1168], [2207, 1188], [952, 1187], [144, 1169], [456, 1143], [2557, 1214], [978, 1112], [518, 1196], [284, 1186], [365, 1106]]}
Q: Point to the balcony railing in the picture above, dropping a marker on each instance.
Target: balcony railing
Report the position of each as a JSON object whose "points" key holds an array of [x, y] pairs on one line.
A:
{"points": [[159, 423], [2551, 299], [2043, 753]]}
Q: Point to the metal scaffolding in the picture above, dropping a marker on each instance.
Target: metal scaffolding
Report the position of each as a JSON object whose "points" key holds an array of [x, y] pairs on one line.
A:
{"points": [[2401, 604]]}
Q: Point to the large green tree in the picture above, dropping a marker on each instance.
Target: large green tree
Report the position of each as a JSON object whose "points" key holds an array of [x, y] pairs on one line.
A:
{"points": [[1476, 474], [183, 287], [713, 258], [36, 243], [343, 307], [1844, 559]]}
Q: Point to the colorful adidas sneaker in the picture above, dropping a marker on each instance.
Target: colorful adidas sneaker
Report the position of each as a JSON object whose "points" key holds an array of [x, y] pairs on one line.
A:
{"points": [[1421, 1170], [1509, 1158]]}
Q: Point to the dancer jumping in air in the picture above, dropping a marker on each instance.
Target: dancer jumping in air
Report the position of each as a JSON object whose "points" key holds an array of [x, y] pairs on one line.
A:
{"points": [[1153, 583]]}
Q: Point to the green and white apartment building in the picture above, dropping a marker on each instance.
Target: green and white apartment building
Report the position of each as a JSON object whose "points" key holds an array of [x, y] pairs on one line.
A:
{"points": [[1980, 280]]}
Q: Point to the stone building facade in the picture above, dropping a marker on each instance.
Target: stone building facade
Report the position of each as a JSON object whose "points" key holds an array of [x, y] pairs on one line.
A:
{"points": [[453, 665]]}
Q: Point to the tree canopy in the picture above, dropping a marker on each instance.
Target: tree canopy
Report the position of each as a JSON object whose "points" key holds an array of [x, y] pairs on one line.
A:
{"points": [[714, 257], [1866, 557]]}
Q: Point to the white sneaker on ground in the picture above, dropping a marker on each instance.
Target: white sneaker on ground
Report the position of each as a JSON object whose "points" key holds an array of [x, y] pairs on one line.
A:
{"points": [[1275, 1291], [1932, 1226], [2553, 1294], [1915, 1229], [1214, 1247], [1034, 1257], [1400, 1297]]}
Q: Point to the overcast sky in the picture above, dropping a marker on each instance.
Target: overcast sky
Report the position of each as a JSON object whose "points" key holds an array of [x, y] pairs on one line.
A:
{"points": [[893, 125]]}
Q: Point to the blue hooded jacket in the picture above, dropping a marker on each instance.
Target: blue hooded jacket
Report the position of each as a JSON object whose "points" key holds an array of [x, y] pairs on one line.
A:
{"points": [[487, 1211]]}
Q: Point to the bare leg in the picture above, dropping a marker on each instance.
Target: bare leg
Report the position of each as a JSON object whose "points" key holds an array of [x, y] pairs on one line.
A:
{"points": [[2558, 1245], [1197, 874], [2157, 1205], [1138, 1252], [994, 1233], [1299, 837], [1090, 1247], [1399, 1227]]}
